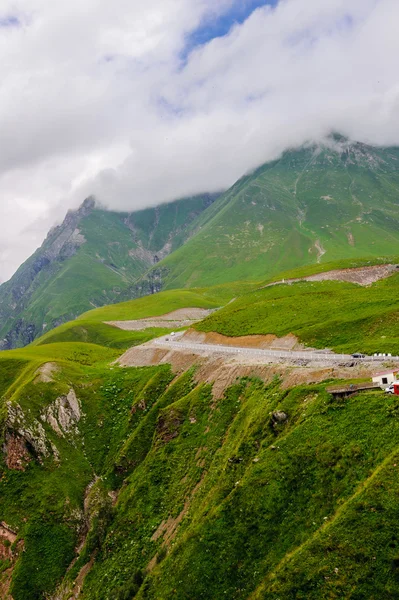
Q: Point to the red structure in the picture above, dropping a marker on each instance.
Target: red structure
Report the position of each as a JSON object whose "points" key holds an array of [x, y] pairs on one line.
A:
{"points": [[396, 388]]}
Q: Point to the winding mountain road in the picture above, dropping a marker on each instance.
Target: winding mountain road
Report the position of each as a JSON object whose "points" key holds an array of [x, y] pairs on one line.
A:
{"points": [[176, 343]]}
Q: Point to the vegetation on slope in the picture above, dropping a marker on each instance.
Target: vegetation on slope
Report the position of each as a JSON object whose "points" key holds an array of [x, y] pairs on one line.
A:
{"points": [[99, 333], [326, 314], [169, 493], [157, 304], [213, 499], [91, 328], [313, 205], [345, 263], [90, 260], [47, 468]]}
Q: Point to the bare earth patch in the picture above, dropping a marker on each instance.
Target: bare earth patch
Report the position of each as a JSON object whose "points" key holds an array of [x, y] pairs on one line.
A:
{"points": [[360, 275], [222, 370], [7, 538], [269, 341], [183, 317], [45, 372]]}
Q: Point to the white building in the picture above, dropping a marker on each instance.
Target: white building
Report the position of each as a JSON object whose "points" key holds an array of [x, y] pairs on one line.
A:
{"points": [[384, 378]]}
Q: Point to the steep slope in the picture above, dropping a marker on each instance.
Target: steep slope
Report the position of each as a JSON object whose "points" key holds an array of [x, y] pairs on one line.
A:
{"points": [[315, 204], [122, 483], [322, 314], [89, 261]]}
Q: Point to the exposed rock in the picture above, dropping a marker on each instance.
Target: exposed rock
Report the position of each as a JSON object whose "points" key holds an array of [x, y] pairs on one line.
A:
{"points": [[45, 372], [9, 551], [278, 418], [63, 414], [61, 243], [141, 405], [17, 455], [25, 437], [32, 433], [168, 425]]}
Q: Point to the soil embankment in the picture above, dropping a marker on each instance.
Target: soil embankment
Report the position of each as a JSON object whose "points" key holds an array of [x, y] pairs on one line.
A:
{"points": [[266, 342], [222, 370], [183, 317], [360, 275]]}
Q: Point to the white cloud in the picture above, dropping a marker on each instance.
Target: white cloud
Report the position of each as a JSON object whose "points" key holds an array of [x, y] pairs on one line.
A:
{"points": [[95, 97]]}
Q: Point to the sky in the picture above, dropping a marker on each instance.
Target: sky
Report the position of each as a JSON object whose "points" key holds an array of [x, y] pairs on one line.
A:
{"points": [[142, 102]]}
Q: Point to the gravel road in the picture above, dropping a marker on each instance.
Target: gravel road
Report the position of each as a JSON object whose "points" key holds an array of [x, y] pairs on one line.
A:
{"points": [[175, 343]]}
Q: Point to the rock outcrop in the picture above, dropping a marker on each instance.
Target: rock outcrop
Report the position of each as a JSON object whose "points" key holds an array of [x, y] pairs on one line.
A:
{"points": [[25, 437], [63, 414], [61, 243]]}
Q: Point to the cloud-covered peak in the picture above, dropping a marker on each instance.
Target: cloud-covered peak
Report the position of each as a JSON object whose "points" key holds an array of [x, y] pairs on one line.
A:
{"points": [[143, 102]]}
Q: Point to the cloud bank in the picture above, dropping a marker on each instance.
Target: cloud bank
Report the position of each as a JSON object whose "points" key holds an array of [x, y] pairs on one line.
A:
{"points": [[123, 100]]}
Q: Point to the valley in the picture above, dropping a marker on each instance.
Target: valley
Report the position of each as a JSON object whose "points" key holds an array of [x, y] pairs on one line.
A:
{"points": [[176, 432], [130, 446], [199, 300]]}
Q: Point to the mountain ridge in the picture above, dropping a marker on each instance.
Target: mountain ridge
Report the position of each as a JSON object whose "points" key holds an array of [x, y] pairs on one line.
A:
{"points": [[88, 261], [313, 205], [317, 203]]}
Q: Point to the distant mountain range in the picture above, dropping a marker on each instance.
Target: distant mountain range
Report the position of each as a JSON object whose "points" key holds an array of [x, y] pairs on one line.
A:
{"points": [[314, 204], [91, 259]]}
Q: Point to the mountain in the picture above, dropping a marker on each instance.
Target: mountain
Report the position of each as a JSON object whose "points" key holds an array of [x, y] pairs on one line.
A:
{"points": [[214, 479], [88, 261], [316, 204]]}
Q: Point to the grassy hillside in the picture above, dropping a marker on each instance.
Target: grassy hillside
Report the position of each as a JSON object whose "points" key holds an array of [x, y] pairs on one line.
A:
{"points": [[329, 314], [152, 306], [91, 328], [99, 333], [211, 500], [135, 483], [90, 260], [314, 205]]}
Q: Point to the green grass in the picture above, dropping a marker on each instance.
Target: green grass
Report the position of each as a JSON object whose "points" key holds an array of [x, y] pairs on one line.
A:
{"points": [[252, 509], [273, 220], [10, 369], [154, 305], [118, 249], [329, 314], [253, 497], [98, 333], [221, 503], [49, 550], [79, 352], [44, 503], [90, 327]]}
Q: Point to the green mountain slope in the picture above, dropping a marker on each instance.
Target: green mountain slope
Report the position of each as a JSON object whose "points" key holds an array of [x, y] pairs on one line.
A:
{"points": [[88, 261], [91, 327], [315, 204], [322, 314], [137, 483]]}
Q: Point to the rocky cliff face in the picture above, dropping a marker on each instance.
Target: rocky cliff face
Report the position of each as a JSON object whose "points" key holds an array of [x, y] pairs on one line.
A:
{"points": [[25, 438], [93, 258], [61, 243]]}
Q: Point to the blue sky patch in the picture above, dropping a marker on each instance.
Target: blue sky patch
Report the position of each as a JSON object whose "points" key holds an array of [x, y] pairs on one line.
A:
{"points": [[221, 25], [9, 21]]}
